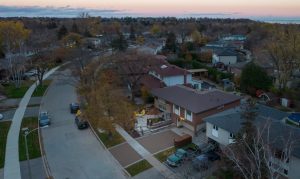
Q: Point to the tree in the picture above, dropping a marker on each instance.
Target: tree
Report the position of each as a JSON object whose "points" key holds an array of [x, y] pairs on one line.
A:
{"points": [[171, 42], [74, 28], [13, 36], [155, 30], [72, 40], [132, 32], [197, 37], [284, 50], [63, 31], [119, 43], [254, 77]]}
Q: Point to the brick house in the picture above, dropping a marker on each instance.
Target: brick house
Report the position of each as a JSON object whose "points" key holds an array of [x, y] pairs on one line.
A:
{"points": [[187, 107]]}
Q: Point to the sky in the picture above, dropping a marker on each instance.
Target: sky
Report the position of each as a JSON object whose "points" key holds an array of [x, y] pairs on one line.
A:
{"points": [[177, 8]]}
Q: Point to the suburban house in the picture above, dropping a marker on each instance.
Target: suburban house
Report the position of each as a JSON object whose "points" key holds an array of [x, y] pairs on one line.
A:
{"points": [[187, 107], [171, 75], [224, 126], [226, 56], [234, 38]]}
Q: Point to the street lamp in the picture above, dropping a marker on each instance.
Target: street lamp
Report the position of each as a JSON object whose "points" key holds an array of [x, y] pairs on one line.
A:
{"points": [[27, 132]]}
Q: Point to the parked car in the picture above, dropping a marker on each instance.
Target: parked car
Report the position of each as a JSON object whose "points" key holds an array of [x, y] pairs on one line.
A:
{"points": [[74, 107], [213, 156], [30, 73], [176, 159], [1, 116], [81, 123], [205, 148], [201, 162], [44, 119]]}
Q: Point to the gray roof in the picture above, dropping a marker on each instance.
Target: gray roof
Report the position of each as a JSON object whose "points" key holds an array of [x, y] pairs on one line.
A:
{"points": [[194, 100], [231, 121]]}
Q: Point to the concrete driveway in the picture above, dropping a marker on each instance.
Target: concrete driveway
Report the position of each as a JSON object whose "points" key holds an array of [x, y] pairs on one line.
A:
{"points": [[125, 154], [158, 141], [72, 153]]}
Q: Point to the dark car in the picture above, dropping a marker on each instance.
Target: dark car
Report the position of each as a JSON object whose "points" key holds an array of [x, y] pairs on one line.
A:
{"points": [[213, 156], [74, 107], [201, 162], [44, 119], [81, 123]]}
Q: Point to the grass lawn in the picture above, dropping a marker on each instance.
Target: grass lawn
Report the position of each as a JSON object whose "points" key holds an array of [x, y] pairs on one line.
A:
{"points": [[138, 167], [12, 92], [162, 156], [32, 139], [40, 90], [114, 140], [4, 127]]}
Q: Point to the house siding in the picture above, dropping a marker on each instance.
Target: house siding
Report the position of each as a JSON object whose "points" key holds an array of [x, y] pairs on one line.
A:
{"points": [[176, 80], [223, 135]]}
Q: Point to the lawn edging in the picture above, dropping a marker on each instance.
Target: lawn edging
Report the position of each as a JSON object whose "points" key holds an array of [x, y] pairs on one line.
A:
{"points": [[98, 138], [138, 167]]}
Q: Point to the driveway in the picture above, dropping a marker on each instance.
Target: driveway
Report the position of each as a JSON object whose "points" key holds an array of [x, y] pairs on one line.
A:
{"points": [[158, 141], [72, 153], [125, 154]]}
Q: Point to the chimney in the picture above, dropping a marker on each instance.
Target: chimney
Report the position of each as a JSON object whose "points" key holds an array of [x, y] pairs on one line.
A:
{"points": [[184, 80]]}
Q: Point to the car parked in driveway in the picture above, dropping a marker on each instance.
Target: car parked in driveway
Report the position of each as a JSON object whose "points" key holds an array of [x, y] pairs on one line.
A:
{"points": [[44, 119], [1, 116], [213, 156], [201, 162], [81, 123], [177, 158], [74, 107]]}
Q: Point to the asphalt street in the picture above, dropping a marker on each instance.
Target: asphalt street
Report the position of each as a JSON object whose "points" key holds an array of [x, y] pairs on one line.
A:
{"points": [[72, 153]]}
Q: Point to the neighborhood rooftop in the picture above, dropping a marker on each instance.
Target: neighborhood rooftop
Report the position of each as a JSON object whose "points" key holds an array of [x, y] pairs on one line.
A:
{"points": [[193, 100], [169, 70]]}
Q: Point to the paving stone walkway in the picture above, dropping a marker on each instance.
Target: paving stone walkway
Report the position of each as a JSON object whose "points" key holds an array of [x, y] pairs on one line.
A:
{"points": [[146, 154]]}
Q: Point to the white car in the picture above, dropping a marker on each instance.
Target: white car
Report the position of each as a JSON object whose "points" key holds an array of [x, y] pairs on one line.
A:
{"points": [[1, 116]]}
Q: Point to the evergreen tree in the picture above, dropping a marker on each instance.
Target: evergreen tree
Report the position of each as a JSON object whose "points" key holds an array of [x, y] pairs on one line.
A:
{"points": [[171, 42], [74, 28], [63, 31], [120, 43], [132, 32]]}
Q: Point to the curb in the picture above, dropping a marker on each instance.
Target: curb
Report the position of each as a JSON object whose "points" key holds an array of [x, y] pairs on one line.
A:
{"points": [[43, 154], [94, 132]]}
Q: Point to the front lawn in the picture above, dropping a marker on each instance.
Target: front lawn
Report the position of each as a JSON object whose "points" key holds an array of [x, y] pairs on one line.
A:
{"points": [[12, 92], [138, 167], [162, 156], [115, 139], [40, 90], [4, 127], [32, 139]]}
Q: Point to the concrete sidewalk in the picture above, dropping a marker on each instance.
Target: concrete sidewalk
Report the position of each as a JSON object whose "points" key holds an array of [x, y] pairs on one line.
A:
{"points": [[12, 164], [146, 154]]}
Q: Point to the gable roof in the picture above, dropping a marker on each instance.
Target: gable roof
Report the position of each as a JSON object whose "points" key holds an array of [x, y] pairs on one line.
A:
{"points": [[194, 100], [231, 121], [166, 70]]}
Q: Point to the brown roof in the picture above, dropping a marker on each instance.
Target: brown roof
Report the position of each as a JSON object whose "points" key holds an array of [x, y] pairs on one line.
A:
{"points": [[151, 82], [193, 100], [166, 70]]}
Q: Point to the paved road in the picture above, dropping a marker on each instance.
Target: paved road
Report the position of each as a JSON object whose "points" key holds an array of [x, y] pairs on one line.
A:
{"points": [[73, 153]]}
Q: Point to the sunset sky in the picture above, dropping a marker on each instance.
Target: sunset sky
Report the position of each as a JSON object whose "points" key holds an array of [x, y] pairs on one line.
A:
{"points": [[179, 8]]}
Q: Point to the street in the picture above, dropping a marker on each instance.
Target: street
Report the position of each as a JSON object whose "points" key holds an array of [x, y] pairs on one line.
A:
{"points": [[72, 153]]}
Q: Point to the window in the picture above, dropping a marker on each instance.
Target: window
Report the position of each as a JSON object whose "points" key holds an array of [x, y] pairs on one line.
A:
{"points": [[188, 115], [285, 171], [231, 135], [176, 110], [215, 127]]}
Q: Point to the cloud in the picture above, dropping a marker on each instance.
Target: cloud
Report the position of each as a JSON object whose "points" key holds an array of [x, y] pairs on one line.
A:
{"points": [[50, 11]]}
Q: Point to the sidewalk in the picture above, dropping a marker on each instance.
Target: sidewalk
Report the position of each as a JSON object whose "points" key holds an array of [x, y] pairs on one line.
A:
{"points": [[12, 164], [146, 154]]}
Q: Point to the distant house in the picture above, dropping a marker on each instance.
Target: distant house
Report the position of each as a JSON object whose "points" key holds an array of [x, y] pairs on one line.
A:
{"points": [[187, 107], [225, 56], [223, 127], [234, 38]]}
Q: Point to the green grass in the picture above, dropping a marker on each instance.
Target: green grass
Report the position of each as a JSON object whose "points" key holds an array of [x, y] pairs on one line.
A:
{"points": [[40, 90], [32, 139], [162, 156], [4, 127], [12, 92], [138, 167], [112, 141]]}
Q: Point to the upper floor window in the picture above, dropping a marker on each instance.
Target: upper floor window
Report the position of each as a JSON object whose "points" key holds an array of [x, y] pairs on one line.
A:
{"points": [[215, 127], [188, 115], [231, 135], [176, 109]]}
